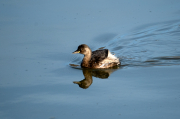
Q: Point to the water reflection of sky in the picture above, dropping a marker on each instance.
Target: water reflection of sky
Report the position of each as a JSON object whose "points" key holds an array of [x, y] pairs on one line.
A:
{"points": [[38, 37]]}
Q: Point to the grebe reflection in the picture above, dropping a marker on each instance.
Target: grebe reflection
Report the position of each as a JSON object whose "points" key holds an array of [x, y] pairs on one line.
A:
{"points": [[85, 83], [88, 73]]}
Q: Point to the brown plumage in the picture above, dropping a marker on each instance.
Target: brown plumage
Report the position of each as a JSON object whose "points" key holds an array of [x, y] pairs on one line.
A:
{"points": [[97, 59]]}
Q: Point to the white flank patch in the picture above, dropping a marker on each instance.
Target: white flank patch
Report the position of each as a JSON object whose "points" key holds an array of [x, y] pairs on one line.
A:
{"points": [[111, 56]]}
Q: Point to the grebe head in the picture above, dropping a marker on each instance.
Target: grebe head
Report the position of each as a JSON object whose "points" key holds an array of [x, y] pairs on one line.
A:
{"points": [[83, 49]]}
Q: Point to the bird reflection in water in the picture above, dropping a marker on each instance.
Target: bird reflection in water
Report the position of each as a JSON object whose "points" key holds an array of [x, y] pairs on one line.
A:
{"points": [[85, 83], [88, 73]]}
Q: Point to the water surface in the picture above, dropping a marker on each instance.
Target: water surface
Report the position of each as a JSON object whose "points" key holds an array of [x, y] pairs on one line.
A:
{"points": [[37, 41]]}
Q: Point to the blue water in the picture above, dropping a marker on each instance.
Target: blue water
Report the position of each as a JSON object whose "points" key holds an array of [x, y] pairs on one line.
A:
{"points": [[37, 39]]}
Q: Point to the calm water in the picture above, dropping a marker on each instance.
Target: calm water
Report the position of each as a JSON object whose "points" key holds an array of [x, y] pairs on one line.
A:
{"points": [[37, 41]]}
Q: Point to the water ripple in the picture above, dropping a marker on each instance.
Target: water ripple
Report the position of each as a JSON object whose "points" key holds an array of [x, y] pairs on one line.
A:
{"points": [[156, 44]]}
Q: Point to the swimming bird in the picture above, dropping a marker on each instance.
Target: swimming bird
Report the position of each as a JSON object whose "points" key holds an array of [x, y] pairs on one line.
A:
{"points": [[97, 59]]}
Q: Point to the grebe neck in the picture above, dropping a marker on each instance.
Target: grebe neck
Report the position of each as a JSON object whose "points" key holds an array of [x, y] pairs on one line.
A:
{"points": [[86, 59]]}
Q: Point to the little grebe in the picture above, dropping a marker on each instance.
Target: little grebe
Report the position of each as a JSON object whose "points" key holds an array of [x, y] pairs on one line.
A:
{"points": [[97, 59]]}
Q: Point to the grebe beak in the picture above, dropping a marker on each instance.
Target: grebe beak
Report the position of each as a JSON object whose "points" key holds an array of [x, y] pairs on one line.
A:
{"points": [[76, 52]]}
